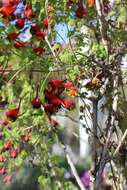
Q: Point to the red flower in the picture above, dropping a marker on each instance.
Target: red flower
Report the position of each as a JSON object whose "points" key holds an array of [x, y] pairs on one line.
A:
{"points": [[56, 84], [39, 51], [7, 145], [13, 35], [69, 104], [13, 2], [13, 113], [34, 28], [68, 84], [20, 23], [13, 153], [7, 10], [49, 95], [5, 121], [2, 171], [29, 11], [57, 101], [69, 3], [36, 102], [49, 108], [81, 12], [26, 136], [19, 44], [46, 22], [40, 35]]}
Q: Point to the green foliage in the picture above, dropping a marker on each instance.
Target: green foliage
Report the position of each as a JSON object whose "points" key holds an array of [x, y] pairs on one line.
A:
{"points": [[25, 73]]}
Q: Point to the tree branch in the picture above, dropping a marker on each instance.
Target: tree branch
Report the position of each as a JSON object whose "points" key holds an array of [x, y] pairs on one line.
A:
{"points": [[69, 161], [103, 25], [109, 135], [120, 143], [74, 171], [94, 144]]}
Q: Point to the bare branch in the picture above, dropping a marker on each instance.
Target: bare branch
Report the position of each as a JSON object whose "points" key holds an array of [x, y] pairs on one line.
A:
{"points": [[70, 162], [103, 25], [120, 143], [74, 171]]}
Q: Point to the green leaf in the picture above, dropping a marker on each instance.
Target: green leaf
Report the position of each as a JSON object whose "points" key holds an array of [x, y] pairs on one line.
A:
{"points": [[123, 15], [43, 180]]}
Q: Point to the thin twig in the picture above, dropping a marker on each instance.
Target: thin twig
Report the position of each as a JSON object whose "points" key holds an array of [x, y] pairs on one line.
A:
{"points": [[71, 118], [74, 171], [102, 22], [120, 143], [113, 173], [70, 162], [50, 47], [21, 69]]}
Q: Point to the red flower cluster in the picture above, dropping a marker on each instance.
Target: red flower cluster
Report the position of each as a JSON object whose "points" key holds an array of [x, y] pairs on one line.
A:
{"points": [[8, 10], [56, 96]]}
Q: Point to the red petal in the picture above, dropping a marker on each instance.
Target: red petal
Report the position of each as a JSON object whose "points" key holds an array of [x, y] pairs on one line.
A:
{"points": [[69, 103], [13, 153], [13, 35], [56, 83], [39, 50], [29, 13], [19, 44], [40, 35], [34, 28], [50, 109], [57, 101], [7, 146], [45, 22], [20, 23], [68, 84], [13, 113], [49, 96], [36, 102], [26, 137], [7, 10], [81, 12], [5, 121]]}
